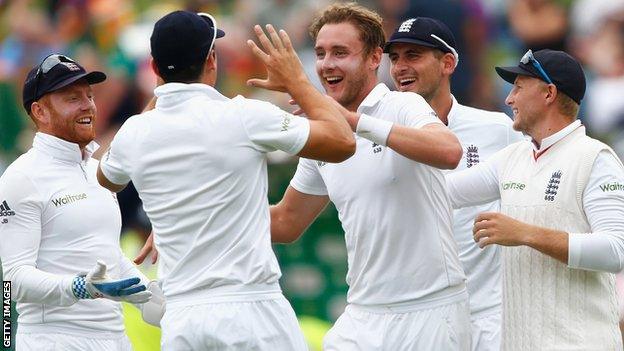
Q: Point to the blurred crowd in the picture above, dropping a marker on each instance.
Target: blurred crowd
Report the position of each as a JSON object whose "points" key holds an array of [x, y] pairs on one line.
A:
{"points": [[113, 36]]}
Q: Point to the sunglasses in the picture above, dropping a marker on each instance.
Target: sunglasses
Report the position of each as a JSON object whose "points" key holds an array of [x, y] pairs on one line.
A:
{"points": [[44, 67], [213, 24], [528, 57]]}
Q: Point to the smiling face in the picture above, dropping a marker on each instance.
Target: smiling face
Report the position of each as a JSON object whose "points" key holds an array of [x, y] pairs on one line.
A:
{"points": [[346, 71], [68, 113], [527, 102], [416, 68]]}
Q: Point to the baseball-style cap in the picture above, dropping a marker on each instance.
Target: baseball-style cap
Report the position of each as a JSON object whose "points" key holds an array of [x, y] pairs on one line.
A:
{"points": [[55, 72], [427, 32], [183, 38], [551, 66]]}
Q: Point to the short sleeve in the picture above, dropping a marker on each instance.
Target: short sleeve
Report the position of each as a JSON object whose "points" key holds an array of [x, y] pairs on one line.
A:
{"points": [[270, 128], [308, 179], [116, 163], [415, 112]]}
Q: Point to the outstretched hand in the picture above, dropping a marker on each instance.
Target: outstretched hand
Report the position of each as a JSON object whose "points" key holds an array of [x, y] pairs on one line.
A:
{"points": [[284, 69]]}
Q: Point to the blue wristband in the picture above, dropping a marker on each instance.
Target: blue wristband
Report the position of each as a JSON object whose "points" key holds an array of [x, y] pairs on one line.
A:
{"points": [[79, 288]]}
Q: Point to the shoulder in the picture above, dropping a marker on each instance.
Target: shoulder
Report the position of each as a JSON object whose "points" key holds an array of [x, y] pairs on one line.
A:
{"points": [[476, 115], [22, 173], [27, 164], [403, 97]]}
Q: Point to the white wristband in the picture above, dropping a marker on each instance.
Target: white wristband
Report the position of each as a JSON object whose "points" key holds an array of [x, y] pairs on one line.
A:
{"points": [[373, 129]]}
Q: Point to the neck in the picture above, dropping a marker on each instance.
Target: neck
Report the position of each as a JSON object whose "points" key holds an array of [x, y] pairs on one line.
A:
{"points": [[551, 124], [368, 87], [441, 104]]}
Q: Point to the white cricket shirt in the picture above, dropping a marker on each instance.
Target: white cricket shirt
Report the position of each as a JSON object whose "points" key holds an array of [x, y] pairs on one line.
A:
{"points": [[198, 162], [57, 222], [481, 133], [395, 213]]}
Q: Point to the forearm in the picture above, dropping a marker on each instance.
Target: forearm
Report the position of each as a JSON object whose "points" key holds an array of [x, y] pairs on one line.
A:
{"points": [[553, 243], [436, 149], [282, 231], [31, 285], [319, 108]]}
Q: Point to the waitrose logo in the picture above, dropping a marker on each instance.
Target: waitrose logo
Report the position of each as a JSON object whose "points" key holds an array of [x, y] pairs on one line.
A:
{"points": [[513, 186], [68, 199], [615, 186]]}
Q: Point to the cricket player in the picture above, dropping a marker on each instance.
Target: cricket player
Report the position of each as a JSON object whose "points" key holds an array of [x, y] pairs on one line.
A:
{"points": [[561, 222], [59, 229], [423, 57], [198, 162], [406, 283]]}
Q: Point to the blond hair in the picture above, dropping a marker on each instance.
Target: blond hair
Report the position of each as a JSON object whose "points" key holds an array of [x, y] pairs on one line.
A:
{"points": [[367, 22]]}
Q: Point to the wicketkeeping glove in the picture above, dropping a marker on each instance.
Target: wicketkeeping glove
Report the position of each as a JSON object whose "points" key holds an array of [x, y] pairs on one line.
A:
{"points": [[97, 284]]}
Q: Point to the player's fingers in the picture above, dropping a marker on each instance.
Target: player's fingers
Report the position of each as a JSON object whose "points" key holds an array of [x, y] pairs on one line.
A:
{"points": [[482, 225], [132, 290], [257, 51], [292, 102], [484, 216], [286, 40], [145, 250], [258, 83], [154, 256], [275, 39], [264, 41], [298, 112], [480, 234], [485, 242]]}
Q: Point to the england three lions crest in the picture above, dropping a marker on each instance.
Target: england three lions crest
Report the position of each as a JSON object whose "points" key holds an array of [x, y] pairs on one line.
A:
{"points": [[553, 186], [472, 156]]}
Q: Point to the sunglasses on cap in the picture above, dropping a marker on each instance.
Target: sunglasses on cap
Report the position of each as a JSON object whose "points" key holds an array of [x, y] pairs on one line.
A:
{"points": [[49, 63], [529, 58]]}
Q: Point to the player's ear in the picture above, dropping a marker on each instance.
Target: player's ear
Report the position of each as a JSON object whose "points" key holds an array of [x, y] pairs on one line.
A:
{"points": [[39, 112], [375, 58], [211, 60], [448, 63], [154, 67]]}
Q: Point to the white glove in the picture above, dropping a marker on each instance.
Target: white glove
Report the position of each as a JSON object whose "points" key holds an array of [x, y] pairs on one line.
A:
{"points": [[153, 310], [97, 284]]}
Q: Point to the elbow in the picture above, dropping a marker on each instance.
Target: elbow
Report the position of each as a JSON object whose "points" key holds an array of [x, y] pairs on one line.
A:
{"points": [[452, 157], [342, 150], [347, 149], [284, 237]]}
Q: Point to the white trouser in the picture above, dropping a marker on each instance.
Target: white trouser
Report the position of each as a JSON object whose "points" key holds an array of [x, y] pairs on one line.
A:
{"points": [[486, 331], [65, 342], [443, 328], [268, 324]]}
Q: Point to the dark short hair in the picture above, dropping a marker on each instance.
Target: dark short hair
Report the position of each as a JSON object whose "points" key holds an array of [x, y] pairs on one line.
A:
{"points": [[188, 74]]}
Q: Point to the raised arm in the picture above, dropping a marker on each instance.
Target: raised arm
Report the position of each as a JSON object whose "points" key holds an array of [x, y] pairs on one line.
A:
{"points": [[330, 137]]}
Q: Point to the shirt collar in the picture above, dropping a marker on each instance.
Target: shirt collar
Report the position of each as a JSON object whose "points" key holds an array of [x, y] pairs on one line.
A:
{"points": [[453, 111], [63, 149], [551, 140], [375, 95], [173, 93]]}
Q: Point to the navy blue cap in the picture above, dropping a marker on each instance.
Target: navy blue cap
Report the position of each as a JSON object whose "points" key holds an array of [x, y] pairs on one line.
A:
{"points": [[565, 72], [424, 31], [181, 39], [55, 72]]}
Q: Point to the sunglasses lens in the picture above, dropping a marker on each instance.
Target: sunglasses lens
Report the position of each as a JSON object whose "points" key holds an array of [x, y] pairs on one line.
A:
{"points": [[49, 63]]}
